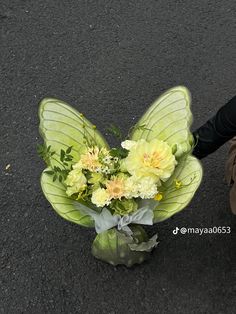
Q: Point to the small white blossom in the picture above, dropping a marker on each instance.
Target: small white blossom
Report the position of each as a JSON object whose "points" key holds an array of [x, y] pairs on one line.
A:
{"points": [[98, 169], [107, 160]]}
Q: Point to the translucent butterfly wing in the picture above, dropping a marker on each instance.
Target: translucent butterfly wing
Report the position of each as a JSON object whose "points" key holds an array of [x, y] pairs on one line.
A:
{"points": [[168, 119], [61, 126], [189, 173], [55, 193]]}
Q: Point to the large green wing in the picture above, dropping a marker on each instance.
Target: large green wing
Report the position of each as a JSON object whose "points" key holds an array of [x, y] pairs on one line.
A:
{"points": [[61, 126], [168, 119], [189, 173], [55, 193]]}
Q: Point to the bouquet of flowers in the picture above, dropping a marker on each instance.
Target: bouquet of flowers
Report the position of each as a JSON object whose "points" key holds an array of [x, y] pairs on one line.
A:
{"points": [[149, 178]]}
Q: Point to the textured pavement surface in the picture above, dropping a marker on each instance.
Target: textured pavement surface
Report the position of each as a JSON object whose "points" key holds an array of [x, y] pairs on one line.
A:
{"points": [[111, 59]]}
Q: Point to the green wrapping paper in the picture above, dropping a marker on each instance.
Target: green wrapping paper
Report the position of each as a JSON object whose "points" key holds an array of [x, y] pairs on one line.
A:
{"points": [[112, 246]]}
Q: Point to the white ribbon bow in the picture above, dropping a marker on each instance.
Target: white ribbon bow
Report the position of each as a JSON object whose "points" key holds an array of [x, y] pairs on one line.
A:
{"points": [[105, 220]]}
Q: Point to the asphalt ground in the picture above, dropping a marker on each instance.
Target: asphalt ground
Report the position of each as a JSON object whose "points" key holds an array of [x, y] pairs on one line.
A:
{"points": [[110, 60]]}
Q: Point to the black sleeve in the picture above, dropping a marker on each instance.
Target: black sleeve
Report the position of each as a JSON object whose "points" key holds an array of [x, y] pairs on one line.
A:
{"points": [[216, 131]]}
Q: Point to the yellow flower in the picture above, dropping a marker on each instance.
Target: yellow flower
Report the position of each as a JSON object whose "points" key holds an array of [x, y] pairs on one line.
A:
{"points": [[150, 159], [131, 188], [116, 187], [144, 187], [90, 160], [178, 184], [158, 196], [100, 197], [76, 181], [77, 165], [147, 187]]}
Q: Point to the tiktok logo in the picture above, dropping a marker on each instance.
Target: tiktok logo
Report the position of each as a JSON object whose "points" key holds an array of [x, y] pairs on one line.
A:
{"points": [[175, 231]]}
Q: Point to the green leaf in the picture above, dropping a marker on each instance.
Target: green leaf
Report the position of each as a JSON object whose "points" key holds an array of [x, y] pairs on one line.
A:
{"points": [[62, 156], [50, 172], [168, 119], [44, 152], [115, 131], [61, 126], [119, 152], [68, 158], [69, 150], [55, 192], [189, 173], [54, 177], [49, 147]]}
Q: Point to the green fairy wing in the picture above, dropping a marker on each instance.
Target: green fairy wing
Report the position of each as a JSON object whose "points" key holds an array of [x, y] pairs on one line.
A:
{"points": [[189, 173], [55, 193], [168, 119], [61, 127]]}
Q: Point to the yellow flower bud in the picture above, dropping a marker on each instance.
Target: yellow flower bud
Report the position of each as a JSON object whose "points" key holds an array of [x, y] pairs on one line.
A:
{"points": [[158, 196], [178, 184]]}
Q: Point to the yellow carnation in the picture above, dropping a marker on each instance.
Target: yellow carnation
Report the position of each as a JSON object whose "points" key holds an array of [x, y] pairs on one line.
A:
{"points": [[100, 197], [131, 187], [76, 181], [150, 159], [144, 187]]}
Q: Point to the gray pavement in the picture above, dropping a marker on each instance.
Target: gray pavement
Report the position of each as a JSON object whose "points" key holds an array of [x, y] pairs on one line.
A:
{"points": [[111, 59]]}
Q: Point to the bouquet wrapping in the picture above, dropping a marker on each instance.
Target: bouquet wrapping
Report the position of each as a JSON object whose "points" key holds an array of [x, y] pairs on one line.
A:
{"points": [[147, 179]]}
